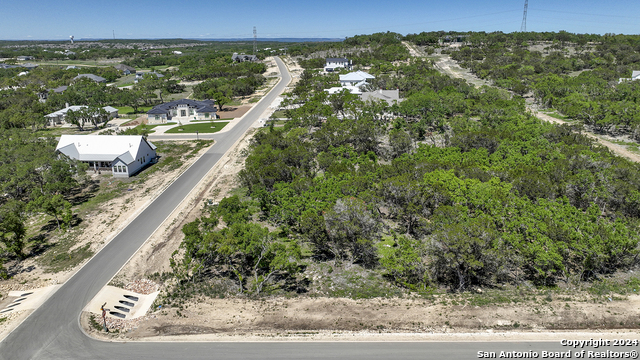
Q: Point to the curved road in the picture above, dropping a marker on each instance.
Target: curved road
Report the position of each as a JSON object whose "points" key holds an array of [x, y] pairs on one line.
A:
{"points": [[53, 332]]}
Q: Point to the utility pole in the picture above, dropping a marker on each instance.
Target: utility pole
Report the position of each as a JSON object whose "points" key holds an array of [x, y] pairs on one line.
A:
{"points": [[255, 41], [114, 34], [523, 27]]}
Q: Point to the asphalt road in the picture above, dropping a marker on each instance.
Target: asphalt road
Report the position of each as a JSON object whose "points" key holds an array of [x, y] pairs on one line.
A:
{"points": [[53, 331]]}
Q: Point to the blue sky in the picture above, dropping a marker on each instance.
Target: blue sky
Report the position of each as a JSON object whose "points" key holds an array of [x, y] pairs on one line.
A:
{"points": [[38, 19]]}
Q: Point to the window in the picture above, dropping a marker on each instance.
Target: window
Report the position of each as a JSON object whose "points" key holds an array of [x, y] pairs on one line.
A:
{"points": [[157, 117], [206, 115], [190, 111], [183, 113]]}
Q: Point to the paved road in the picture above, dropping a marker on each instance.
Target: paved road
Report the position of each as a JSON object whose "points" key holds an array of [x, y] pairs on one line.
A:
{"points": [[53, 332]]}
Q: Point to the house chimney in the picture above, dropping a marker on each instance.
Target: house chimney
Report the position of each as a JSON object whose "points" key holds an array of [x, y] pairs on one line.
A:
{"points": [[66, 105]]}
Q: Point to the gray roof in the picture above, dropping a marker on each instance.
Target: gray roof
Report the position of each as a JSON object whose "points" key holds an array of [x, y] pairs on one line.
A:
{"points": [[123, 67], [7, 66], [243, 57], [102, 147], [205, 109], [60, 89], [388, 95], [200, 106], [95, 78], [337, 60]]}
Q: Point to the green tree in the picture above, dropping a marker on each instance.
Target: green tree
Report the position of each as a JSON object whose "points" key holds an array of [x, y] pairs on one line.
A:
{"points": [[55, 206], [12, 229]]}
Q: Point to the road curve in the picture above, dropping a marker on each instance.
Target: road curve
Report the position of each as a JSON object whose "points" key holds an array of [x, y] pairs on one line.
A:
{"points": [[53, 331]]}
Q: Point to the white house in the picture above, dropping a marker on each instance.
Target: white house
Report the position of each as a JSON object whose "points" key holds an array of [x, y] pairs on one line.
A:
{"points": [[124, 155], [390, 96], [635, 75], [357, 78], [58, 117], [352, 89], [337, 63], [182, 110]]}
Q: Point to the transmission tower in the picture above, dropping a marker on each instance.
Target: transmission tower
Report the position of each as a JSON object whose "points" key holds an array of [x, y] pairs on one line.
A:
{"points": [[255, 41], [523, 27]]}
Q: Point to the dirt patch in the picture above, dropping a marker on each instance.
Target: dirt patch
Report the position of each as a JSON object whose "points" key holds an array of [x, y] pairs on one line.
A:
{"points": [[229, 112], [281, 317]]}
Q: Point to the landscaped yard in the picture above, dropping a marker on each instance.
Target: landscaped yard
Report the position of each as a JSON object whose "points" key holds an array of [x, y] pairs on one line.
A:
{"points": [[202, 128], [126, 110], [210, 120]]}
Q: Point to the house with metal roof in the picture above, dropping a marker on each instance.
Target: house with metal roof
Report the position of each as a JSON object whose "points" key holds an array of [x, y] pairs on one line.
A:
{"points": [[357, 78], [123, 155], [58, 117], [8, 66], [390, 96], [243, 57], [125, 69], [337, 63], [96, 78], [183, 110]]}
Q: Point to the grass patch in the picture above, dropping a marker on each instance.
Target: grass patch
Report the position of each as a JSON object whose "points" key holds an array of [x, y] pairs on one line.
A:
{"points": [[555, 115], [606, 287], [334, 280], [95, 324], [125, 80], [128, 110], [275, 122], [279, 114], [57, 131], [172, 155], [202, 128], [188, 89], [228, 119], [3, 319], [59, 258]]}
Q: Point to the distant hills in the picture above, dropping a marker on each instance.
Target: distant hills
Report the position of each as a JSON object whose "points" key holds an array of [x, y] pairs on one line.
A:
{"points": [[288, 40]]}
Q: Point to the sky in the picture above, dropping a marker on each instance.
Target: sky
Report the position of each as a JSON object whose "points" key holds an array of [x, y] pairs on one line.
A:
{"points": [[151, 19]]}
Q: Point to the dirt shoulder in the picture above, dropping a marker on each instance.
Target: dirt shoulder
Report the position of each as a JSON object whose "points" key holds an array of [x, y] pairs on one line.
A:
{"points": [[382, 320]]}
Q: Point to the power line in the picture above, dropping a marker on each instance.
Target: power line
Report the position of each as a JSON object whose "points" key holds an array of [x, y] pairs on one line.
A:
{"points": [[523, 27]]}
